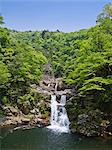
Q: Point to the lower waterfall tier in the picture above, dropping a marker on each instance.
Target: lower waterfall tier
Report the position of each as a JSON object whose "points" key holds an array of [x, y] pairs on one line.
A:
{"points": [[59, 119]]}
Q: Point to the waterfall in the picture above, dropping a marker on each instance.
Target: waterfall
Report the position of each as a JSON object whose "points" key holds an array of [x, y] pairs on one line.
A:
{"points": [[63, 100], [54, 108], [59, 119]]}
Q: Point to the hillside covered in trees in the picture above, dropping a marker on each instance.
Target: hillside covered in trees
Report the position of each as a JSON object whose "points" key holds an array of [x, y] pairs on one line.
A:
{"points": [[83, 60]]}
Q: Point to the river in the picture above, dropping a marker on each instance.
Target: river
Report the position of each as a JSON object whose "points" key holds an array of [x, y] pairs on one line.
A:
{"points": [[46, 139]]}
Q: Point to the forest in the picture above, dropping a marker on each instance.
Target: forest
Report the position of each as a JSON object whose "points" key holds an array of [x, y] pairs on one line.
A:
{"points": [[82, 59]]}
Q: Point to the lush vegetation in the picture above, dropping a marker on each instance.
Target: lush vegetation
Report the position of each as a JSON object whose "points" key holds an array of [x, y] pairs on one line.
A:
{"points": [[83, 59], [20, 66]]}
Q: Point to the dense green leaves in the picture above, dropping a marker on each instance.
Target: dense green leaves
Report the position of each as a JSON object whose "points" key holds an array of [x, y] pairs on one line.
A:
{"points": [[92, 71], [107, 13], [83, 59], [4, 73], [20, 66]]}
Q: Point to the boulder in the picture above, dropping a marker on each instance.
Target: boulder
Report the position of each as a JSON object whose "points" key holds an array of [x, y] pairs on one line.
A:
{"points": [[10, 110], [14, 111], [25, 120], [9, 122], [83, 118], [105, 123], [39, 115], [9, 114], [33, 111], [6, 110], [46, 82], [25, 110]]}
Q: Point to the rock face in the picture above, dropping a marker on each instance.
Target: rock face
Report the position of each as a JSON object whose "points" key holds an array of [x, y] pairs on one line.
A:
{"points": [[86, 121], [32, 114], [83, 118], [49, 86], [9, 111], [15, 117]]}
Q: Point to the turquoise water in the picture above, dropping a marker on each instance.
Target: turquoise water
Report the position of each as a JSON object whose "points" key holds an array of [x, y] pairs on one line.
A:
{"points": [[45, 139]]}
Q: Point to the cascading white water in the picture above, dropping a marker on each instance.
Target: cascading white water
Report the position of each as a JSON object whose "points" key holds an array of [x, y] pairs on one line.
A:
{"points": [[59, 118], [63, 100], [54, 112]]}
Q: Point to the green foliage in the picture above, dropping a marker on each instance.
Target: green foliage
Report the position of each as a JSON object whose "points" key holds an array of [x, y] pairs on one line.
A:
{"points": [[92, 73], [20, 66], [1, 20], [83, 59], [4, 74], [107, 13]]}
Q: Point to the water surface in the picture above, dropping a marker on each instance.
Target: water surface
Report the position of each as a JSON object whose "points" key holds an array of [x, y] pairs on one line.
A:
{"points": [[46, 139]]}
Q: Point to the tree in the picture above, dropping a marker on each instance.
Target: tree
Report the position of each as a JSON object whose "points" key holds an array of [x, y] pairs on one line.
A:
{"points": [[1, 20], [106, 14]]}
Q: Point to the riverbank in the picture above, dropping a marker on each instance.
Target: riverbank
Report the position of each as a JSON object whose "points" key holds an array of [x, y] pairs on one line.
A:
{"points": [[15, 118]]}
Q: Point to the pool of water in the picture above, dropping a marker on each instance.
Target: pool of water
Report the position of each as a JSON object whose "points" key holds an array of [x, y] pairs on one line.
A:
{"points": [[46, 139]]}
